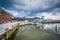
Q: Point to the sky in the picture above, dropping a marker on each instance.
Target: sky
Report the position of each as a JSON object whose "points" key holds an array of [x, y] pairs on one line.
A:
{"points": [[50, 9]]}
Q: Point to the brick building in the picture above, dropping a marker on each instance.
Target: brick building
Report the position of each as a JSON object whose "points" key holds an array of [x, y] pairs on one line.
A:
{"points": [[4, 16]]}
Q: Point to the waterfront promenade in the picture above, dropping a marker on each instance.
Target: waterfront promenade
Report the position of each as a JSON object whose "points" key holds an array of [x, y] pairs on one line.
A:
{"points": [[22, 28], [10, 29], [7, 26], [7, 29]]}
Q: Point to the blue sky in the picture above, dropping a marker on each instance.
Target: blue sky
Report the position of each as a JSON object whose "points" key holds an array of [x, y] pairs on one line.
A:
{"points": [[50, 9]]}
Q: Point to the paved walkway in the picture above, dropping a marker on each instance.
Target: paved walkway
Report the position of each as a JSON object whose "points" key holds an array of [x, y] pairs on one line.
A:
{"points": [[8, 26]]}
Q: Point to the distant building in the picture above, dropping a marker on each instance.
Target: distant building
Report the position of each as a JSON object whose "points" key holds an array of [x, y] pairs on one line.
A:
{"points": [[51, 21], [37, 19], [4, 16], [16, 19]]}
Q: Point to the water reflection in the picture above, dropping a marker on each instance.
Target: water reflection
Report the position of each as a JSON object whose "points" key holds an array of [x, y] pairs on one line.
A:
{"points": [[48, 27], [34, 32], [52, 27]]}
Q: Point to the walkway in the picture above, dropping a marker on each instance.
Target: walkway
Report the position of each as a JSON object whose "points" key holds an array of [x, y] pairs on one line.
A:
{"points": [[4, 27]]}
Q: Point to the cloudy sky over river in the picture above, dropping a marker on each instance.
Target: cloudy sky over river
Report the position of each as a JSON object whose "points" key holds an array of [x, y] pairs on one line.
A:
{"points": [[50, 9]]}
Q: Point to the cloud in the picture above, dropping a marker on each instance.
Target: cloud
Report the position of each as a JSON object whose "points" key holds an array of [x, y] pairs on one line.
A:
{"points": [[56, 10], [18, 13], [30, 5], [49, 15], [27, 7], [54, 14]]}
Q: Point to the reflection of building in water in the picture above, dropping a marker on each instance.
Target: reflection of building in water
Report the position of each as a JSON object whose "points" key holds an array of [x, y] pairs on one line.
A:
{"points": [[58, 29]]}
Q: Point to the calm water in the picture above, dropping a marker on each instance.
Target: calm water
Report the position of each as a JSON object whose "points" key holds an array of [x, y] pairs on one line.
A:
{"points": [[35, 32], [52, 27]]}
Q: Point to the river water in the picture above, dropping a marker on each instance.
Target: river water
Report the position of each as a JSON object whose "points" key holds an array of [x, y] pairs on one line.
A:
{"points": [[35, 32]]}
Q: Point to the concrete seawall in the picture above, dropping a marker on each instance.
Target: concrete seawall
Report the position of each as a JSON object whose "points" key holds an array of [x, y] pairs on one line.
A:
{"points": [[9, 34]]}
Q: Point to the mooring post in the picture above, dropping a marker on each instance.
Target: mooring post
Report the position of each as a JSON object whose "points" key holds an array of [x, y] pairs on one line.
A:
{"points": [[56, 28]]}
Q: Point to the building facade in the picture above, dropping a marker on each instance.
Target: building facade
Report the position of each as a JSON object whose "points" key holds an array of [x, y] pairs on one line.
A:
{"points": [[4, 16]]}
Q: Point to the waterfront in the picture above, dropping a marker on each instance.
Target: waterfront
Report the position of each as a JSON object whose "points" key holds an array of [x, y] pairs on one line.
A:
{"points": [[31, 32], [29, 19]]}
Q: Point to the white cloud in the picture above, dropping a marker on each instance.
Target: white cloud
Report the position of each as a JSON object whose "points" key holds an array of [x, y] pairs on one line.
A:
{"points": [[34, 4], [18, 14], [30, 5], [54, 15], [49, 15], [46, 15]]}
